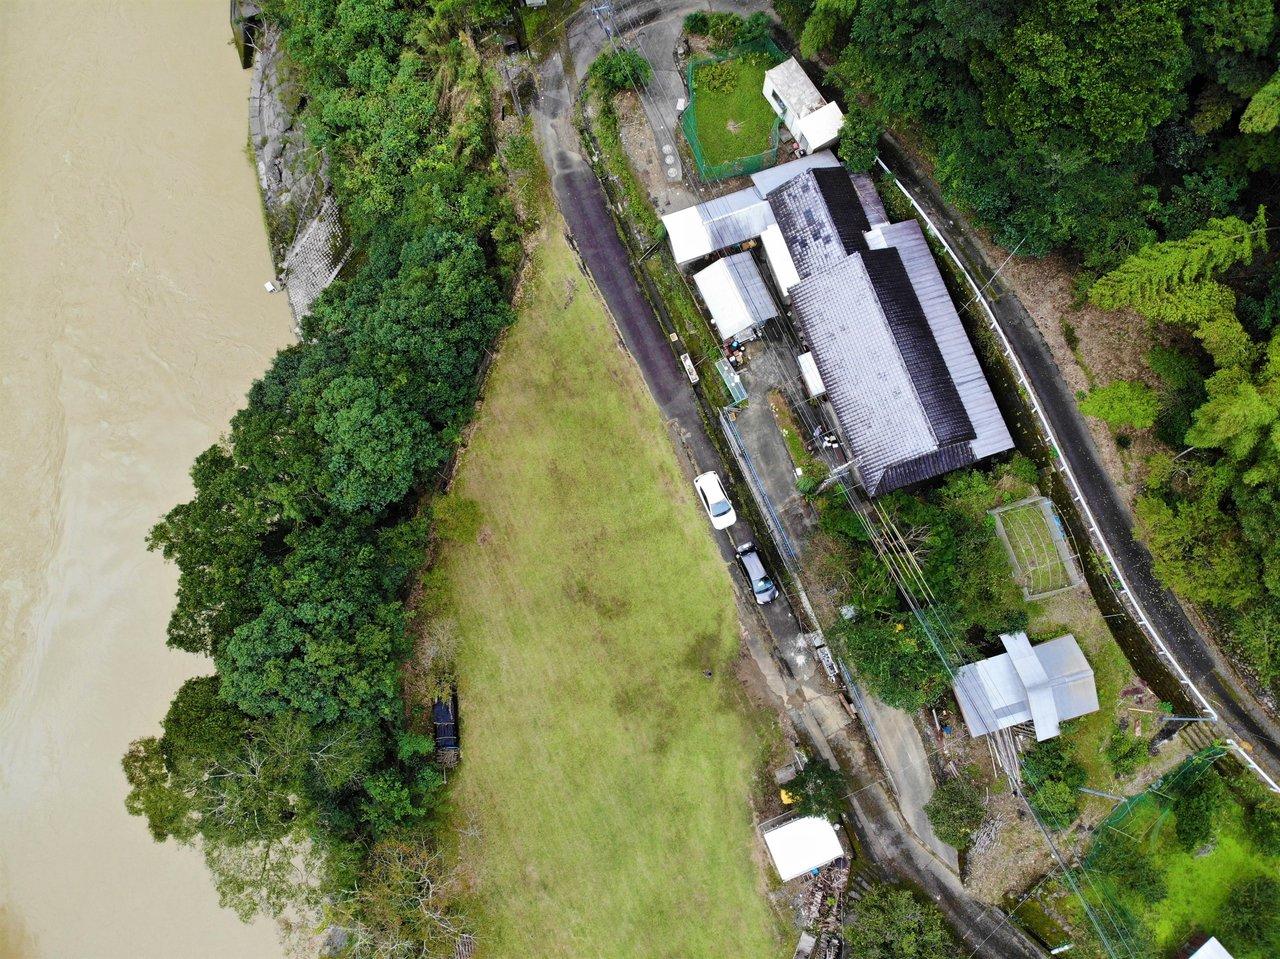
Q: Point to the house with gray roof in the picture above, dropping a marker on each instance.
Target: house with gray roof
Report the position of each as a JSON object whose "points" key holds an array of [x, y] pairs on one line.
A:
{"points": [[904, 385], [1045, 684]]}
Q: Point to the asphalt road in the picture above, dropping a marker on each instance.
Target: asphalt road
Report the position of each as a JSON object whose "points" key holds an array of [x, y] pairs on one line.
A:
{"points": [[1195, 652], [582, 202]]}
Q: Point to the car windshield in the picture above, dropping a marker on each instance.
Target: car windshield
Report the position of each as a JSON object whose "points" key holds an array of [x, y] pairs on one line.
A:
{"points": [[764, 584], [720, 508]]}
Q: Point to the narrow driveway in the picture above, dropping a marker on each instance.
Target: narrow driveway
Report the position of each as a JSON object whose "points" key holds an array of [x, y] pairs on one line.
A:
{"points": [[1197, 655], [786, 663]]}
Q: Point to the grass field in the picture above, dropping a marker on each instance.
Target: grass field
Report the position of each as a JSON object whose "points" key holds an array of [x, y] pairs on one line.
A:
{"points": [[733, 119], [1040, 566], [1198, 885], [602, 807]]}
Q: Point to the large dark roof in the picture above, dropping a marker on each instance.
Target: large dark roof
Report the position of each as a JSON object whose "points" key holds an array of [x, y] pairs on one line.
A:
{"points": [[938, 394], [843, 206], [921, 468]]}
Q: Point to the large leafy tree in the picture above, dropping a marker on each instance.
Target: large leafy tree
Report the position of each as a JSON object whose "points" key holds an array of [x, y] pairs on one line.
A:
{"points": [[893, 922]]}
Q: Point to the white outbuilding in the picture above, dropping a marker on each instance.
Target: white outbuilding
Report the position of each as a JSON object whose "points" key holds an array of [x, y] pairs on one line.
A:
{"points": [[1045, 684], [813, 121], [803, 845], [736, 296]]}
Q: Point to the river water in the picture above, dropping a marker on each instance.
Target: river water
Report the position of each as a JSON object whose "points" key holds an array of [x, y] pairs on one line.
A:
{"points": [[133, 318]]}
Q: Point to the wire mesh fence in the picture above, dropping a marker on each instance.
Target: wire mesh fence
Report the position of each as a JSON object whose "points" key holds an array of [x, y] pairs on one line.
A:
{"points": [[709, 170]]}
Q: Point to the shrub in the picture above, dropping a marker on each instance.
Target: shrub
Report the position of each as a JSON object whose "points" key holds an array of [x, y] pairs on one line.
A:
{"points": [[1196, 809], [956, 811], [1125, 753], [756, 27], [1250, 918], [892, 922], [1055, 778], [620, 70], [1262, 824], [819, 790], [1123, 403], [1129, 866], [859, 139], [722, 29], [696, 23]]}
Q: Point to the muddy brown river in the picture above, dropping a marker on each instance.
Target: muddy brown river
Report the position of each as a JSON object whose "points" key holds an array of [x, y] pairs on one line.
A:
{"points": [[133, 318]]}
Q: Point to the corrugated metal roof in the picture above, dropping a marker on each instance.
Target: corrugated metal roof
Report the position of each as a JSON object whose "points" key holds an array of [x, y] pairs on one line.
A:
{"points": [[768, 180], [1046, 684], [991, 435], [697, 231], [794, 86], [872, 207], [735, 294]]}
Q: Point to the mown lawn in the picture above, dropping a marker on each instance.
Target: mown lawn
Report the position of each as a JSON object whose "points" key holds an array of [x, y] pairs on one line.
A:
{"points": [[733, 119], [602, 805]]}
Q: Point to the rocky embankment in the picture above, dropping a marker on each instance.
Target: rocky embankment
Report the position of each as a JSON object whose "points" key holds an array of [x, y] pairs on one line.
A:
{"points": [[307, 243]]}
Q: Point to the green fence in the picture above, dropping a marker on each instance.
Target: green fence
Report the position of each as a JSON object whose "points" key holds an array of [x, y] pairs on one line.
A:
{"points": [[742, 166]]}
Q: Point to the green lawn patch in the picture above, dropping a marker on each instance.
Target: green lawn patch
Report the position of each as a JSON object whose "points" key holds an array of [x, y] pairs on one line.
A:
{"points": [[1199, 886], [602, 806], [732, 118]]}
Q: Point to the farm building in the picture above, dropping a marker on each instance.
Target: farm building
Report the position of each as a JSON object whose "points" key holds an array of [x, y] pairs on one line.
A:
{"points": [[813, 121], [885, 341], [736, 296], [802, 845], [1045, 684]]}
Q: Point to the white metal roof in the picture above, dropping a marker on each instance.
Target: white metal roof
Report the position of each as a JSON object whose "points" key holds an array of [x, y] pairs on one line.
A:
{"points": [[809, 372], [725, 221], [1045, 684], [820, 128], [735, 294], [1211, 950], [794, 87], [802, 845], [782, 266], [768, 180]]}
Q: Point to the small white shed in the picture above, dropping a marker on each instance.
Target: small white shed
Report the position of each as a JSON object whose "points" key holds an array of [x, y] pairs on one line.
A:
{"points": [[813, 121], [803, 845], [736, 296]]}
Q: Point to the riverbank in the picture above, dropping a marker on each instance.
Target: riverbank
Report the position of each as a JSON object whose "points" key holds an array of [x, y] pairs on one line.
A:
{"points": [[134, 319]]}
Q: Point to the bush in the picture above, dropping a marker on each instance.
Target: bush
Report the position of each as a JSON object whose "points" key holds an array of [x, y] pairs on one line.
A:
{"points": [[1125, 753], [956, 811], [1055, 778], [1262, 825], [620, 70], [1129, 866], [819, 790], [1122, 403], [696, 23], [1196, 809], [859, 140], [722, 29], [1250, 919], [892, 922], [755, 28]]}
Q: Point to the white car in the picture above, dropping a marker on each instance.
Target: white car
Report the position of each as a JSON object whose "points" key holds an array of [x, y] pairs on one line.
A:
{"points": [[714, 500]]}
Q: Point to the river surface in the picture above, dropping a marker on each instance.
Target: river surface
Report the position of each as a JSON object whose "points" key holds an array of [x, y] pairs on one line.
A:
{"points": [[132, 321]]}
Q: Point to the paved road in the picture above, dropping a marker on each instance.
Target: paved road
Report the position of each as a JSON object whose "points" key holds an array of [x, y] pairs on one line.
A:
{"points": [[783, 658], [1197, 655]]}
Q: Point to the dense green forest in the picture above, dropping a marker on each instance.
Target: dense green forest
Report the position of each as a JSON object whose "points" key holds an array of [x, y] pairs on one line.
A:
{"points": [[1141, 138], [298, 765]]}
